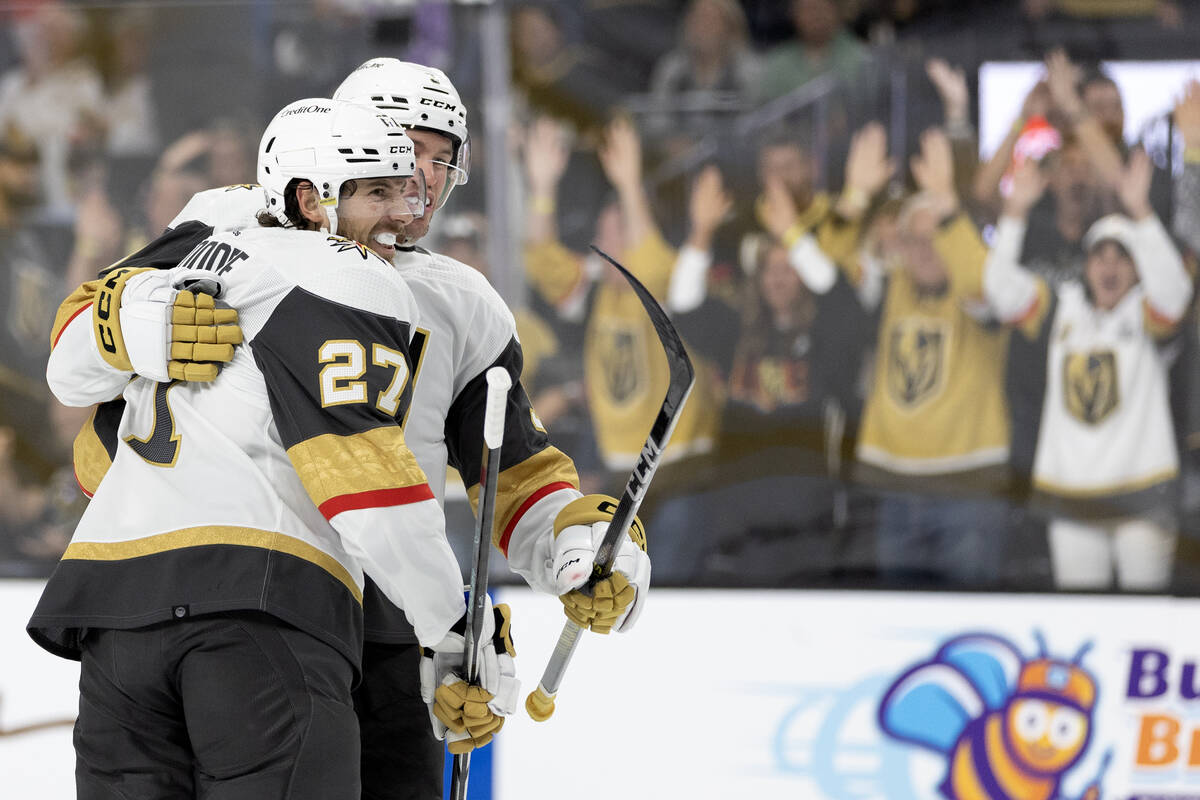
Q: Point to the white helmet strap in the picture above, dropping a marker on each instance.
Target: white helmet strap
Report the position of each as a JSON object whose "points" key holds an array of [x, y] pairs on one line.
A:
{"points": [[331, 212]]}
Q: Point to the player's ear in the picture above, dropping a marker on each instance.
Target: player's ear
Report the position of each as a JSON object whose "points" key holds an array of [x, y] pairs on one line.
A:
{"points": [[309, 204]]}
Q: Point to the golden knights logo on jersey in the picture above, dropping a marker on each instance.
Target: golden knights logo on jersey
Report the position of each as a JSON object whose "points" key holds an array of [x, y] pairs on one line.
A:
{"points": [[1090, 385], [916, 360], [342, 245], [621, 357]]}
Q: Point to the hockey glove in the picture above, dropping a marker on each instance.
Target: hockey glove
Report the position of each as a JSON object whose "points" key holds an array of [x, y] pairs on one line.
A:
{"points": [[465, 714], [144, 325], [616, 601]]}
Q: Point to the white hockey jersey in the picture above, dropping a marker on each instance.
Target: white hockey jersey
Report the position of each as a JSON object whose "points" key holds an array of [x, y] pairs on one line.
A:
{"points": [[465, 329], [1106, 419], [1106, 428], [274, 487]]}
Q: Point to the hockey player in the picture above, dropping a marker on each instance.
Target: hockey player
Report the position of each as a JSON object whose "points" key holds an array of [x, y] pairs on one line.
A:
{"points": [[213, 587], [465, 330]]}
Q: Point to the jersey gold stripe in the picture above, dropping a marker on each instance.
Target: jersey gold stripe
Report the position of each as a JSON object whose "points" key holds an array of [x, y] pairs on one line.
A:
{"points": [[331, 466], [521, 480], [73, 306], [1135, 485], [213, 535], [90, 456]]}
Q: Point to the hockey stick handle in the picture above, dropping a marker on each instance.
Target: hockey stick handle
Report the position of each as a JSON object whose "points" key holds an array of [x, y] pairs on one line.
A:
{"points": [[540, 702], [498, 384]]}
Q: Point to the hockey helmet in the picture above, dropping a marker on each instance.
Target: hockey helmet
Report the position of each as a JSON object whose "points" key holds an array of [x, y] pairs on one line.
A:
{"points": [[418, 97], [329, 142]]}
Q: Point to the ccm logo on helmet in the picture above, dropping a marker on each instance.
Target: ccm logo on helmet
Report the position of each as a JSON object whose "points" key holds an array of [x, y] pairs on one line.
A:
{"points": [[307, 110], [429, 101], [400, 148]]}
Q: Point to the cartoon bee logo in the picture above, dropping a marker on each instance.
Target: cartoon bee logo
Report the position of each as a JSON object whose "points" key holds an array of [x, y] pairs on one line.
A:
{"points": [[1009, 728]]}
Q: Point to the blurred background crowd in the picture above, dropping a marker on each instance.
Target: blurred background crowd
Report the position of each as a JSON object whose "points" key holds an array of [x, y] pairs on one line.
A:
{"points": [[934, 260]]}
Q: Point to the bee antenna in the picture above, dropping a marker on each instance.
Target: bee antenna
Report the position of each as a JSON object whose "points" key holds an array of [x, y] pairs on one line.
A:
{"points": [[1083, 651], [1041, 643]]}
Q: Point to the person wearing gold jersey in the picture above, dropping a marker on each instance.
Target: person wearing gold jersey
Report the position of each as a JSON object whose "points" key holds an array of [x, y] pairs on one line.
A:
{"points": [[934, 437], [625, 369]]}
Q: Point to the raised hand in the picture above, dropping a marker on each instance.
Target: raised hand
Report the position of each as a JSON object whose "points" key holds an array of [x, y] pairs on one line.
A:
{"points": [[1062, 78], [868, 167], [933, 169], [1133, 188], [951, 85], [1028, 184], [546, 155], [709, 202], [776, 207], [621, 154], [1038, 102], [867, 170]]}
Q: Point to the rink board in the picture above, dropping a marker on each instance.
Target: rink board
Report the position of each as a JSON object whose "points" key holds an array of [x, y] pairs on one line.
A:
{"points": [[766, 694]]}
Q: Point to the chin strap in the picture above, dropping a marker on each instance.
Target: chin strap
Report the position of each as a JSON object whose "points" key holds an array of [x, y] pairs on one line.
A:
{"points": [[330, 206]]}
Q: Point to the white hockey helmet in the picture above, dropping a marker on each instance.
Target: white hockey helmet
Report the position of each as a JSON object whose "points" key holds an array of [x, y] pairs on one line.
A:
{"points": [[329, 142], [418, 97]]}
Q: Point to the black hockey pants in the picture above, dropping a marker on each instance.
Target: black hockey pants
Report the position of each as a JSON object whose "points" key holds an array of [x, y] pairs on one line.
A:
{"points": [[233, 706], [401, 759]]}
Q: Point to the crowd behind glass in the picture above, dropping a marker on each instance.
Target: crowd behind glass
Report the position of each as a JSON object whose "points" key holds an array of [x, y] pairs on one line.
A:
{"points": [[917, 367]]}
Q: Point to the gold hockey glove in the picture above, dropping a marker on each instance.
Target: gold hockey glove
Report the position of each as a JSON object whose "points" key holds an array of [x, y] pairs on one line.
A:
{"points": [[202, 337], [467, 715], [615, 602]]}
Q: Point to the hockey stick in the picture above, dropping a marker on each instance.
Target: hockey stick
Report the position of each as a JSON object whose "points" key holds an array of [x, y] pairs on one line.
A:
{"points": [[499, 383], [540, 702]]}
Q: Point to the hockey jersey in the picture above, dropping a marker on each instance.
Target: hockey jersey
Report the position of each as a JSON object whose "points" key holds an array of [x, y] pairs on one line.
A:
{"points": [[465, 329], [624, 366], [936, 406], [1106, 429], [274, 487]]}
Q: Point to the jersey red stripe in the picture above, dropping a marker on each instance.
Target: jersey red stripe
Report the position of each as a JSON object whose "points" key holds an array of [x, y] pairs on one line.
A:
{"points": [[68, 322], [533, 498], [79, 483], [377, 498]]}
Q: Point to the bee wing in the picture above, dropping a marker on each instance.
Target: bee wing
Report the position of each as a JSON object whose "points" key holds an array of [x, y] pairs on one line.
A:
{"points": [[930, 705], [989, 662]]}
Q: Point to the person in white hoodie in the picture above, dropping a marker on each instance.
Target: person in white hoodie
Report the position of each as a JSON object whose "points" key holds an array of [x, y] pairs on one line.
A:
{"points": [[1106, 463]]}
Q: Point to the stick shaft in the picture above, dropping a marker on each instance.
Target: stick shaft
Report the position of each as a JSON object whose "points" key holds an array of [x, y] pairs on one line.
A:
{"points": [[493, 435]]}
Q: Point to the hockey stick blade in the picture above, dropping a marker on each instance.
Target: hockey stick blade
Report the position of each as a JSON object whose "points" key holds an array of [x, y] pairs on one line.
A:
{"points": [[540, 702]]}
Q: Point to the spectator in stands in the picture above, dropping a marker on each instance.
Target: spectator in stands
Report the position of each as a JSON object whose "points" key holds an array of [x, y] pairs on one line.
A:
{"points": [[31, 286], [108, 225], [710, 76], [1086, 119], [1186, 223], [1186, 374], [1083, 160], [130, 118], [950, 82], [625, 371], [1088, 107], [934, 438], [790, 374], [1106, 460], [55, 97], [563, 78], [822, 44]]}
